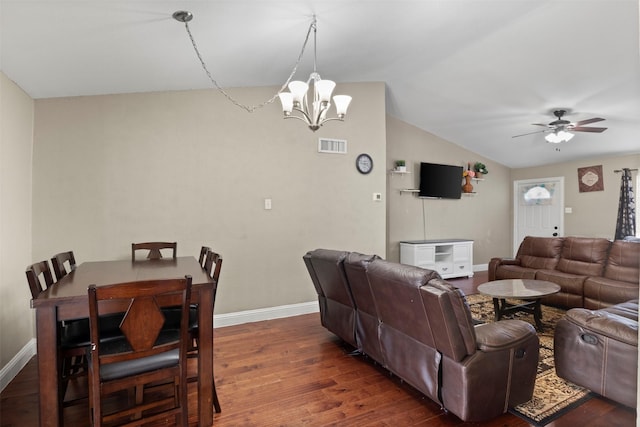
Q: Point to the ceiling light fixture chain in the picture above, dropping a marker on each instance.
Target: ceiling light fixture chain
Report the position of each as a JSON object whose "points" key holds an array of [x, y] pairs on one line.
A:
{"points": [[185, 17]]}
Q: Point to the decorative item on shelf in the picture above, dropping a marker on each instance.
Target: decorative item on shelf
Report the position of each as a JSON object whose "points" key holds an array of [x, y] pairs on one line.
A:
{"points": [[467, 175], [401, 166], [480, 170]]}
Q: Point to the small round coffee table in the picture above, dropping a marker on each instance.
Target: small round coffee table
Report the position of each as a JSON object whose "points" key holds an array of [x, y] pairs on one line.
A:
{"points": [[528, 290]]}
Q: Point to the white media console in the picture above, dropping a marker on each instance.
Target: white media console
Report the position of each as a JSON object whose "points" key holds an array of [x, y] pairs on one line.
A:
{"points": [[450, 258]]}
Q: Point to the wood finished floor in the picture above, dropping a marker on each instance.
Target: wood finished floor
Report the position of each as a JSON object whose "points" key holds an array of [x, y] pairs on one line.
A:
{"points": [[293, 372]]}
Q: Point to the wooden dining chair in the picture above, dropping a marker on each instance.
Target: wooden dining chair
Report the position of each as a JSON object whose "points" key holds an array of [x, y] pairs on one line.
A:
{"points": [[213, 266], [58, 262], [148, 353], [154, 249], [203, 255], [74, 335]]}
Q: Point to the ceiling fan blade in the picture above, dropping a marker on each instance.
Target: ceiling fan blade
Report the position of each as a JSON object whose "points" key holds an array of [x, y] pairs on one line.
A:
{"points": [[531, 133], [587, 129], [586, 122], [540, 124]]}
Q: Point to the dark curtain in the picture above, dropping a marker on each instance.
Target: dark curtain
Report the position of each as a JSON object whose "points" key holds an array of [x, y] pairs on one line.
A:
{"points": [[626, 224]]}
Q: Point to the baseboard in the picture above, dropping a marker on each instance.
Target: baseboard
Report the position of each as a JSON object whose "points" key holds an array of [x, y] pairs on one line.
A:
{"points": [[480, 267], [257, 315], [15, 365]]}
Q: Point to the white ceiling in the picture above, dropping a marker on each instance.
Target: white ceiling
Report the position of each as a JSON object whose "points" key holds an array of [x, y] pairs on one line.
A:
{"points": [[475, 72]]}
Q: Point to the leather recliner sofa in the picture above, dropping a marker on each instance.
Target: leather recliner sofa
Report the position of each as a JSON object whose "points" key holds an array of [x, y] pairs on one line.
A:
{"points": [[592, 272], [419, 327], [598, 350]]}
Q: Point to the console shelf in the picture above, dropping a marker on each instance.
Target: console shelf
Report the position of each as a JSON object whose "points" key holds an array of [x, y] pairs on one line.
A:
{"points": [[449, 257]]}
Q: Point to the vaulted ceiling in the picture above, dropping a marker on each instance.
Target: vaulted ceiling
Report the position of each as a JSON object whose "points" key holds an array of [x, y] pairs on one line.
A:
{"points": [[475, 72]]}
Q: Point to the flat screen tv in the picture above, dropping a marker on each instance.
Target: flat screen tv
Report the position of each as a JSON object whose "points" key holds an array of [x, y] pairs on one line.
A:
{"points": [[441, 181]]}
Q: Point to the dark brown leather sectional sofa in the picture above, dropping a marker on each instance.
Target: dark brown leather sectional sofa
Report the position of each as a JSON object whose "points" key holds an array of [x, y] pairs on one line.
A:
{"points": [[419, 327], [592, 272], [596, 343]]}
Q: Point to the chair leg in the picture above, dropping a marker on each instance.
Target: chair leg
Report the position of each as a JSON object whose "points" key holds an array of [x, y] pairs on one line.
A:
{"points": [[216, 402]]}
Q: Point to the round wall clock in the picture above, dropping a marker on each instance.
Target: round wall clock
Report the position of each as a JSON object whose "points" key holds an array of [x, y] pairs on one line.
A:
{"points": [[364, 163]]}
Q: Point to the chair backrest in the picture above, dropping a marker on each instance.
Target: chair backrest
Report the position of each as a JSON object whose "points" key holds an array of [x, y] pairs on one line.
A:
{"points": [[213, 265], [149, 350], [142, 325], [203, 255], [39, 277], [58, 261], [154, 249]]}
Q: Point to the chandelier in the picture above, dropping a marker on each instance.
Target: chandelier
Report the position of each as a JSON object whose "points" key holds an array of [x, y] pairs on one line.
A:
{"points": [[314, 112], [559, 136], [312, 108]]}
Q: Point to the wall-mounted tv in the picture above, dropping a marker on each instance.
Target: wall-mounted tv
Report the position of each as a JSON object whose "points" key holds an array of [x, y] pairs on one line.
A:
{"points": [[441, 181]]}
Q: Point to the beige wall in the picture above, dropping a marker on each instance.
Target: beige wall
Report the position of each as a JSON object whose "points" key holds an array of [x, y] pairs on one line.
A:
{"points": [[191, 167], [482, 217], [16, 135], [594, 213]]}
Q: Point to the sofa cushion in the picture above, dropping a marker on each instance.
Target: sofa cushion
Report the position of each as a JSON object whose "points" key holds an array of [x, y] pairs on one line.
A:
{"points": [[583, 256], [619, 322], [539, 252], [623, 263], [450, 319], [600, 292], [510, 271], [337, 308], [355, 267], [396, 285]]}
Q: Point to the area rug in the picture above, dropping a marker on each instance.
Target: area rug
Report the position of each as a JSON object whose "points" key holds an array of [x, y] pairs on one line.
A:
{"points": [[552, 396]]}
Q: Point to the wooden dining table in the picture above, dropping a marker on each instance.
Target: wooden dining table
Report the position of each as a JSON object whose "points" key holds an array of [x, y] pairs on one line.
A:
{"points": [[67, 299]]}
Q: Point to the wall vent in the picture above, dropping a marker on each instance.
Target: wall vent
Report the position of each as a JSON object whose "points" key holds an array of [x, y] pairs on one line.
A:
{"points": [[334, 146]]}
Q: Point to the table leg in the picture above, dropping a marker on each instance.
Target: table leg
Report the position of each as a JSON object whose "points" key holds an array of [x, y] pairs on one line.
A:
{"points": [[537, 315], [46, 331], [496, 308], [205, 357]]}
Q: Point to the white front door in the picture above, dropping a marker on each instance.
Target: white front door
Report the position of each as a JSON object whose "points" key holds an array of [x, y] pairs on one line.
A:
{"points": [[538, 208]]}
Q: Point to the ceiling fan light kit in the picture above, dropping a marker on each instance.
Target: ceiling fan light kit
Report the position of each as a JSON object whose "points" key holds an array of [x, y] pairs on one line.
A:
{"points": [[559, 136], [313, 113]]}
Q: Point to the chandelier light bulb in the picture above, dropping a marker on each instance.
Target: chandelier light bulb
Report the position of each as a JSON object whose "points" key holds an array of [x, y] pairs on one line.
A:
{"points": [[313, 109]]}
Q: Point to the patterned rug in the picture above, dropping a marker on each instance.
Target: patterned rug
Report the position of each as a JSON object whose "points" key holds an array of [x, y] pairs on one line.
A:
{"points": [[552, 396]]}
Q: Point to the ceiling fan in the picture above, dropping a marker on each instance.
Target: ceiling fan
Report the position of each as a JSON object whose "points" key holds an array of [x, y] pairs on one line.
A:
{"points": [[560, 129]]}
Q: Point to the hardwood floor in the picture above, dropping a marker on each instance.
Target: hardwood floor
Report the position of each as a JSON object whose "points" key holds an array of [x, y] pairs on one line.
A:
{"points": [[293, 372]]}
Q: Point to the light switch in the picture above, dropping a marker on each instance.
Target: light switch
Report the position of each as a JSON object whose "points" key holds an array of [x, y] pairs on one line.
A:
{"points": [[568, 210], [267, 204], [377, 197]]}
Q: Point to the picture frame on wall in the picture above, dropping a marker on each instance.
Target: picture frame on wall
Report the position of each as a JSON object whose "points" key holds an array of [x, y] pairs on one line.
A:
{"points": [[590, 179]]}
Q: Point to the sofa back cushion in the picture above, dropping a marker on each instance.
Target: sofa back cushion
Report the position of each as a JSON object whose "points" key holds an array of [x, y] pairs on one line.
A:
{"points": [[541, 253], [328, 268], [583, 256], [337, 308], [623, 263], [355, 267], [450, 319], [396, 290]]}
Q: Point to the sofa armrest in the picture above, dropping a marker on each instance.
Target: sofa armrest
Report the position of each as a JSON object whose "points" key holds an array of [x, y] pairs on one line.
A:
{"points": [[495, 262], [502, 335], [606, 324]]}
